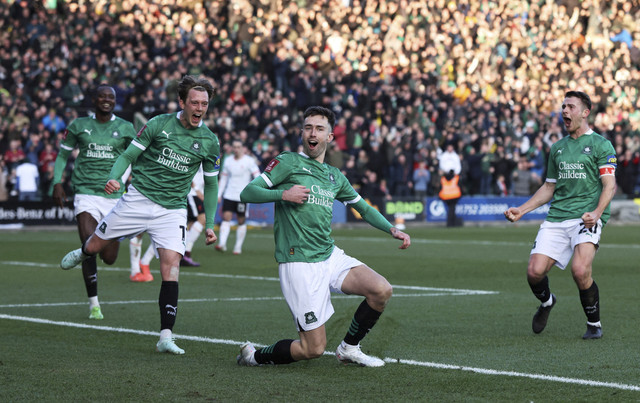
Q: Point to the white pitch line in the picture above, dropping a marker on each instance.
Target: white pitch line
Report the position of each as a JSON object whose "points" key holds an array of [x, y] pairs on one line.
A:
{"points": [[448, 291], [235, 299], [482, 371]]}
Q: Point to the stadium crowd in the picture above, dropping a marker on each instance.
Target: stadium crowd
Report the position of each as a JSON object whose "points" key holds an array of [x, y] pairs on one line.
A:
{"points": [[407, 79]]}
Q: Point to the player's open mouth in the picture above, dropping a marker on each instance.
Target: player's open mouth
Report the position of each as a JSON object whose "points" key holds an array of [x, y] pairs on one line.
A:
{"points": [[195, 118], [566, 120], [312, 144], [107, 105]]}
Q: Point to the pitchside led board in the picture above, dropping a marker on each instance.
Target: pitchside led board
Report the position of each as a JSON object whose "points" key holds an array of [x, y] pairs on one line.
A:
{"points": [[431, 209]]}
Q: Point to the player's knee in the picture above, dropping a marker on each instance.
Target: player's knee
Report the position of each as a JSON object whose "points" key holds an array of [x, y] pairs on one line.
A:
{"points": [[386, 291], [382, 292], [314, 351], [581, 274], [535, 274]]}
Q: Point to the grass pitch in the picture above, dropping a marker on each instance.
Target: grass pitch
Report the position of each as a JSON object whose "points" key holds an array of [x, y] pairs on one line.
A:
{"points": [[458, 327]]}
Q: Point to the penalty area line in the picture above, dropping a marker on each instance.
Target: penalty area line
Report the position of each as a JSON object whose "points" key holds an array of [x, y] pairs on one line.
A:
{"points": [[482, 371]]}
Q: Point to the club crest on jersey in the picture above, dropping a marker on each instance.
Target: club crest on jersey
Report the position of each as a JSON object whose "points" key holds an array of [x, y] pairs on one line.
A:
{"points": [[587, 150], [115, 135], [332, 179], [196, 146], [271, 165], [310, 317]]}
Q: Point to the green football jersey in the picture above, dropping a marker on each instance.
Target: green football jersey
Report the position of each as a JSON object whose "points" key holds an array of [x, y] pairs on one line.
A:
{"points": [[99, 145], [171, 157], [303, 231], [575, 165]]}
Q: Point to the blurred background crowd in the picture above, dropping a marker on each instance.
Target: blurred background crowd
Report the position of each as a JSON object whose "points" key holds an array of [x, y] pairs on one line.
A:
{"points": [[420, 87]]}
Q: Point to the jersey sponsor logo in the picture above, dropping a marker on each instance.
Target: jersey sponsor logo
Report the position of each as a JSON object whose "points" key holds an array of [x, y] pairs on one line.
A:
{"points": [[611, 159], [571, 170], [103, 227], [141, 130], [103, 151], [173, 160], [166, 134], [310, 317], [587, 150], [307, 170], [320, 197], [87, 131], [559, 151], [271, 165]]}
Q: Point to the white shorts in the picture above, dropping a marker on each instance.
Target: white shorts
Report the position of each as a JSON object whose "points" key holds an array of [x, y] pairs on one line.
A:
{"points": [[135, 214], [558, 239], [307, 287], [97, 206]]}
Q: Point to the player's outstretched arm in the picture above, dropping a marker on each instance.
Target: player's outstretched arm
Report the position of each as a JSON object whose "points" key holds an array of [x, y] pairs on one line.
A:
{"points": [[375, 219], [405, 238], [543, 195]]}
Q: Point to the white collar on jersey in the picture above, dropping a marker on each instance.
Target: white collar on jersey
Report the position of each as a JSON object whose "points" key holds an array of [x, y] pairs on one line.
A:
{"points": [[179, 115], [113, 117], [303, 154], [590, 131]]}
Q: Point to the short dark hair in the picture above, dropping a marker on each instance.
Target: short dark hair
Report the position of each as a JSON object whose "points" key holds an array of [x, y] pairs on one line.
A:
{"points": [[582, 96], [190, 82], [322, 111], [103, 85]]}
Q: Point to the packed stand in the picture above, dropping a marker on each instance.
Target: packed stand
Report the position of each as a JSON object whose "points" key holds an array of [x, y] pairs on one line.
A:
{"points": [[413, 83]]}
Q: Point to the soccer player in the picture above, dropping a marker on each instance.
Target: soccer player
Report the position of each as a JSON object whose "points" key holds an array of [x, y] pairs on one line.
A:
{"points": [[165, 157], [237, 172], [100, 139], [140, 271], [304, 188], [581, 182]]}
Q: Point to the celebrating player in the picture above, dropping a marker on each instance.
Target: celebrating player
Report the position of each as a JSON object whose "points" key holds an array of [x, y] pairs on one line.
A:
{"points": [[304, 188], [100, 138], [581, 182], [166, 156]]}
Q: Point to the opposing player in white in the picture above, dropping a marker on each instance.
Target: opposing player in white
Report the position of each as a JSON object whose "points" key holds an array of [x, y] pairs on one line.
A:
{"points": [[237, 171]]}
